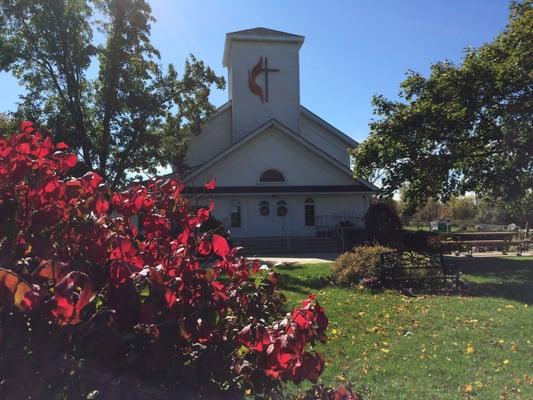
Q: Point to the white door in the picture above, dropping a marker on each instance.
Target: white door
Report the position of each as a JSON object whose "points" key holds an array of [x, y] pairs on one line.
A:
{"points": [[273, 217]]}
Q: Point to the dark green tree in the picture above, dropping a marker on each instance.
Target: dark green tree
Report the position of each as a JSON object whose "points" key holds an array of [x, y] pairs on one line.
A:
{"points": [[500, 212], [466, 127], [131, 115]]}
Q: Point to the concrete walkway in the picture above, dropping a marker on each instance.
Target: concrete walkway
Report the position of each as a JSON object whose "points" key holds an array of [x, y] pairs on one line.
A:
{"points": [[297, 258], [315, 258], [491, 254]]}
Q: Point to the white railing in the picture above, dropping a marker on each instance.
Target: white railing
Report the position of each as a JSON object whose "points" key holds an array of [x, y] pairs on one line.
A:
{"points": [[336, 225], [330, 222]]}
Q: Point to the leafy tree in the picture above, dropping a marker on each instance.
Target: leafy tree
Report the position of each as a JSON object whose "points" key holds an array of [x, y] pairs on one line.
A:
{"points": [[466, 127], [132, 114], [382, 222], [7, 125], [430, 211], [461, 208], [500, 212]]}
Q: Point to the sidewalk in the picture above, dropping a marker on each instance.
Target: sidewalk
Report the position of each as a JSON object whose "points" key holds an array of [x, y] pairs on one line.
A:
{"points": [[491, 254], [314, 258]]}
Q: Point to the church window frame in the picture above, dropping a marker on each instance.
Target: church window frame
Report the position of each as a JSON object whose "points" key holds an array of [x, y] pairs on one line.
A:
{"points": [[309, 212], [235, 214], [272, 176], [264, 208], [282, 208]]}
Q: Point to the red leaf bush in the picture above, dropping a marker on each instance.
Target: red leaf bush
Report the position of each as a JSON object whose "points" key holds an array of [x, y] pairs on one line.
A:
{"points": [[161, 300]]}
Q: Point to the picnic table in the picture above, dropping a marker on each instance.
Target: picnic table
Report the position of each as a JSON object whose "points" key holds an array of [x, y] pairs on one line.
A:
{"points": [[408, 268], [502, 245]]}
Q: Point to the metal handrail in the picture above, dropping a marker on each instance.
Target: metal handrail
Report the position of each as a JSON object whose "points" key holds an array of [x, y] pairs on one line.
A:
{"points": [[332, 221]]}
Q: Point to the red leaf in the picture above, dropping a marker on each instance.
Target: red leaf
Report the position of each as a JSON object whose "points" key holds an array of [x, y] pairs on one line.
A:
{"points": [[71, 160], [126, 251], [26, 126], [202, 214], [24, 148], [4, 151], [72, 294], [51, 186], [256, 264], [102, 206], [119, 272], [14, 290], [50, 270], [255, 337], [62, 146], [170, 297], [220, 245], [205, 248], [211, 185], [343, 393], [156, 226]]}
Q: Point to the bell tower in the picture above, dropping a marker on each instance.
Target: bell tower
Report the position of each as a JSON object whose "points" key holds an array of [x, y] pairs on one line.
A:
{"points": [[263, 78]]}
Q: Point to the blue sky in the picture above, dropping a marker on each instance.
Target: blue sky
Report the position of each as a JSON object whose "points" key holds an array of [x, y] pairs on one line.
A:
{"points": [[352, 50]]}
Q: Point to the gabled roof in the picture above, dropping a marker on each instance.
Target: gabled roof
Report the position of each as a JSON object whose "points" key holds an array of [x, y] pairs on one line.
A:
{"points": [[326, 125], [260, 31], [308, 113], [284, 129], [259, 34]]}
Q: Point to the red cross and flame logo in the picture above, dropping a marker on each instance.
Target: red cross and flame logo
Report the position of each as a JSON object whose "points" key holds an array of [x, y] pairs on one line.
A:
{"points": [[257, 69]]}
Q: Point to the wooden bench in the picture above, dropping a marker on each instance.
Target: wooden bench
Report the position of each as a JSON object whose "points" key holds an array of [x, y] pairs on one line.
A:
{"points": [[405, 268], [504, 245]]}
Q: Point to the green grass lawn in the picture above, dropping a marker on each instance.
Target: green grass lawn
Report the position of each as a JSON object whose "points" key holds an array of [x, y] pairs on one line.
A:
{"points": [[390, 346]]}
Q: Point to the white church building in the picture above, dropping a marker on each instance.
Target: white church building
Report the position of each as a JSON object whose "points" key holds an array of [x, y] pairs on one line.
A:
{"points": [[280, 170]]}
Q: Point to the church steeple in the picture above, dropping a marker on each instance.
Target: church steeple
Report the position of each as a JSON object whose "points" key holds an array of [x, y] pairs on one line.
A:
{"points": [[263, 78]]}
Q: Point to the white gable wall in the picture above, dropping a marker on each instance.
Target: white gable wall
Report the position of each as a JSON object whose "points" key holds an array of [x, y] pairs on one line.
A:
{"points": [[273, 149], [214, 138], [325, 140]]}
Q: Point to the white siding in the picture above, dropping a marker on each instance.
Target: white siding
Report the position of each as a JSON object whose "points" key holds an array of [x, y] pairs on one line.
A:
{"points": [[277, 150], [253, 224], [324, 139], [214, 138], [283, 86]]}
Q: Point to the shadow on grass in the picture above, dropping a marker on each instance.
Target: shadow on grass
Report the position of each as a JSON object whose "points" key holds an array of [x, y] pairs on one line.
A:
{"points": [[503, 277], [301, 278], [508, 277]]}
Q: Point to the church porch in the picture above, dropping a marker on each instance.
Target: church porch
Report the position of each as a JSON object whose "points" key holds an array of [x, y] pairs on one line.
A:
{"points": [[268, 215]]}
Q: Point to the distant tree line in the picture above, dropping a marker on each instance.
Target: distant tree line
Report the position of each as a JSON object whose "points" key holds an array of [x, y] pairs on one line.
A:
{"points": [[468, 210]]}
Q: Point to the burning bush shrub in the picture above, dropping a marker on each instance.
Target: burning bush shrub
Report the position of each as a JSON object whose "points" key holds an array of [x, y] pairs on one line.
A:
{"points": [[361, 264], [150, 305]]}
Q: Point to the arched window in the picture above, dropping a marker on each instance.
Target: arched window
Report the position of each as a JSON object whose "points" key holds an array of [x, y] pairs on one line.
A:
{"points": [[271, 175], [235, 216], [309, 212]]}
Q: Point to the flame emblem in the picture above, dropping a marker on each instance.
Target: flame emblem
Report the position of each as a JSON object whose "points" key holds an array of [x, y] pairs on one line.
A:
{"points": [[252, 75]]}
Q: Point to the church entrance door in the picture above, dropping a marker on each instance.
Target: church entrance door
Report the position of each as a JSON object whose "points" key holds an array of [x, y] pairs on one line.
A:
{"points": [[273, 217]]}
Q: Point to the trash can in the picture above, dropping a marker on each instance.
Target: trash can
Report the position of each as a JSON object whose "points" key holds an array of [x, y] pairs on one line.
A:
{"points": [[443, 226]]}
